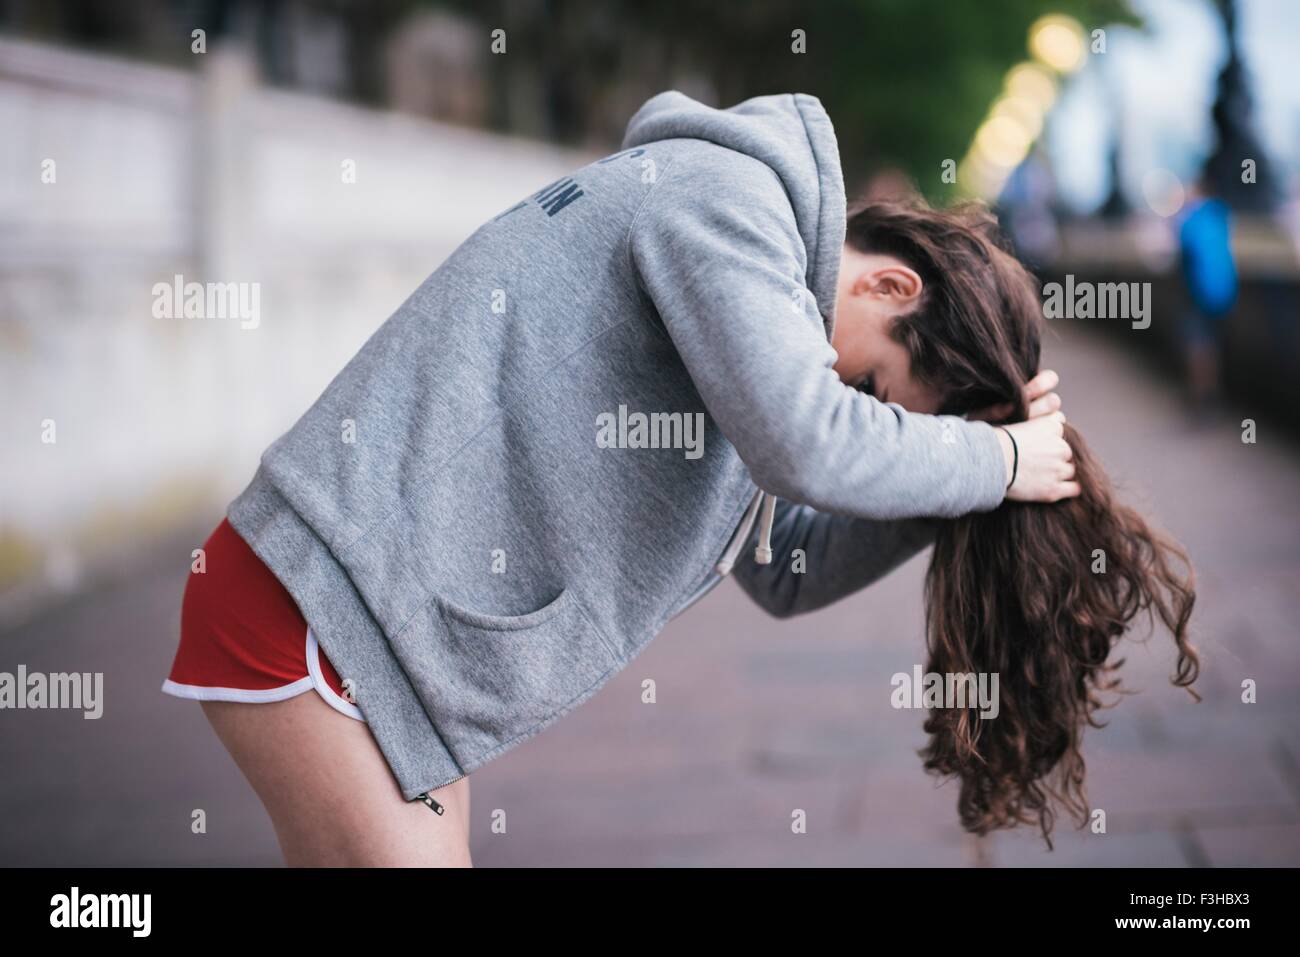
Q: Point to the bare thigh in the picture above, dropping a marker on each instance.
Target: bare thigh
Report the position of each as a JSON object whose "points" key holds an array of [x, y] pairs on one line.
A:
{"points": [[331, 796]]}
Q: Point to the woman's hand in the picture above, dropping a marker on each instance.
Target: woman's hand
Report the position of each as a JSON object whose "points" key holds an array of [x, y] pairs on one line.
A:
{"points": [[1045, 472], [1040, 399]]}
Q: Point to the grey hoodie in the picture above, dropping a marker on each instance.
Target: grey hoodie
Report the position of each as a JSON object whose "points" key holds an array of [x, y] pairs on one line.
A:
{"points": [[547, 451]]}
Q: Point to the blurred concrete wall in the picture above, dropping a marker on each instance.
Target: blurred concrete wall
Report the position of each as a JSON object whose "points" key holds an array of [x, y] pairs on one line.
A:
{"points": [[116, 176]]}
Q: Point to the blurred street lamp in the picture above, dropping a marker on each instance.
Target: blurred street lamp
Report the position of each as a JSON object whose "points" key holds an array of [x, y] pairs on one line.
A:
{"points": [[1003, 140], [1058, 41], [1015, 121], [1237, 140], [1032, 82], [1024, 113]]}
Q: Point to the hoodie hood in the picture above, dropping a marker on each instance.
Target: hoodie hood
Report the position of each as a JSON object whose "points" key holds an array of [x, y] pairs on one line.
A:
{"points": [[792, 135]]}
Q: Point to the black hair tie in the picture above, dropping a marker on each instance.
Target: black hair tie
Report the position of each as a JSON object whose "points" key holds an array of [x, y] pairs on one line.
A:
{"points": [[1015, 455]]}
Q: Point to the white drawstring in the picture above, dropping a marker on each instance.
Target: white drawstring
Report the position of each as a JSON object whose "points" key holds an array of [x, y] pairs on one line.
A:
{"points": [[728, 559], [763, 553]]}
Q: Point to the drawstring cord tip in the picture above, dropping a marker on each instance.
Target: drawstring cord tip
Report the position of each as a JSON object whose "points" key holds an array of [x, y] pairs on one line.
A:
{"points": [[763, 553]]}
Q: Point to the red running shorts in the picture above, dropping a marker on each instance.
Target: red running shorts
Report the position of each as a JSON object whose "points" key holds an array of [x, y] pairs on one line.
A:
{"points": [[243, 637]]}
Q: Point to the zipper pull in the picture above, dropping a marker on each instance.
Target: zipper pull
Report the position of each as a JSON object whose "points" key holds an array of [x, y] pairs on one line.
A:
{"points": [[433, 805]]}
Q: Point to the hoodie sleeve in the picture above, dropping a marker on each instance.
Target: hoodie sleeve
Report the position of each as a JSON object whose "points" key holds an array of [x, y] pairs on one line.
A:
{"points": [[716, 248], [840, 555]]}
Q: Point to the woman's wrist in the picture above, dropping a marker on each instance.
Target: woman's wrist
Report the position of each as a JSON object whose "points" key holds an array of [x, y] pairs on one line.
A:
{"points": [[1009, 456], [1015, 456]]}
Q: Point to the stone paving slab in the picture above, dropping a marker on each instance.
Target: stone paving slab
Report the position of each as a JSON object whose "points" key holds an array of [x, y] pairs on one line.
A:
{"points": [[1261, 846], [1084, 849]]}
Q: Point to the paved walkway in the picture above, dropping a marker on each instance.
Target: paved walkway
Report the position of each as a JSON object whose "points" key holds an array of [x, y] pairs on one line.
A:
{"points": [[755, 717]]}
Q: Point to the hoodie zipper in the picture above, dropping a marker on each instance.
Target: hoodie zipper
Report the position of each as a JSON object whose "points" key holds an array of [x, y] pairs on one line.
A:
{"points": [[432, 804], [427, 799]]}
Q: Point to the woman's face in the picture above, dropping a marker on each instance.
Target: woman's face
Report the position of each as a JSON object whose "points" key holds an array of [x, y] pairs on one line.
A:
{"points": [[873, 289]]}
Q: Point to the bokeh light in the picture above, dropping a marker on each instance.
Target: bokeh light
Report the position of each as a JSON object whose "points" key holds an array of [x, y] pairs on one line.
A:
{"points": [[1163, 192], [1058, 41], [1031, 82]]}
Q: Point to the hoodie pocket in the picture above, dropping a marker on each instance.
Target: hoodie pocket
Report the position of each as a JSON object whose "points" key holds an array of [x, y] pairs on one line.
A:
{"points": [[489, 681]]}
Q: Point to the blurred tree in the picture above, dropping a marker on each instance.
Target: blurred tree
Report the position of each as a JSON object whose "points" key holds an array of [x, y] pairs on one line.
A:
{"points": [[906, 82]]}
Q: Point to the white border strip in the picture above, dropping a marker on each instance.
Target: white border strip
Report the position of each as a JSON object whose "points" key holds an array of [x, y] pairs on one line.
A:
{"points": [[202, 693], [317, 676]]}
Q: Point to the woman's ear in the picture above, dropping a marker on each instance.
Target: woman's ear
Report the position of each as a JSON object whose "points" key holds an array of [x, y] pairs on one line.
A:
{"points": [[880, 276], [898, 283]]}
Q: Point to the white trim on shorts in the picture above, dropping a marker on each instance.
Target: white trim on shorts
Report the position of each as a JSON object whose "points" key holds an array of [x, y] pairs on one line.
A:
{"points": [[205, 693], [315, 678], [332, 697]]}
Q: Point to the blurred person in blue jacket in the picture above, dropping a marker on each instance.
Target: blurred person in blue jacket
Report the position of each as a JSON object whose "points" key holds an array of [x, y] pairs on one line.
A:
{"points": [[1210, 274]]}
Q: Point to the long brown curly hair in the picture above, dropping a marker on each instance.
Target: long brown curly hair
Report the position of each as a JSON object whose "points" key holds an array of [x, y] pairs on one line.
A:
{"points": [[1038, 594]]}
